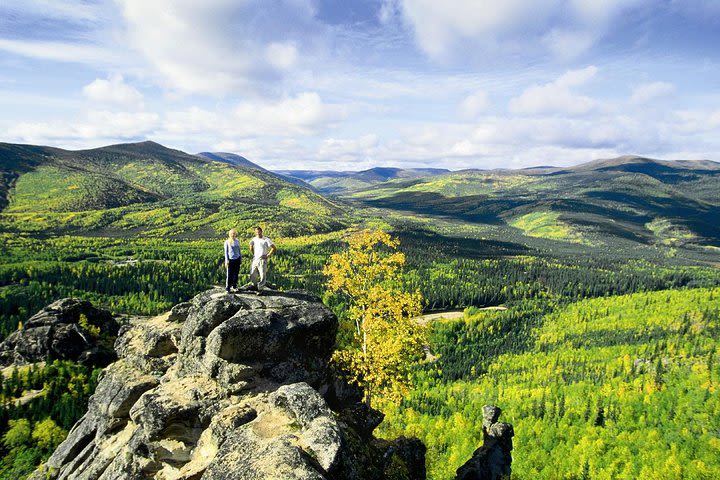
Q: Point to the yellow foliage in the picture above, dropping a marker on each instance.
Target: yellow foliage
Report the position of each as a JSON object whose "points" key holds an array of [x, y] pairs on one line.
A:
{"points": [[84, 322], [386, 339]]}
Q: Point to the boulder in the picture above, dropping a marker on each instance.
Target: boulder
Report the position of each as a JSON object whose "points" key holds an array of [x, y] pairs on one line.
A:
{"points": [[57, 333], [228, 386]]}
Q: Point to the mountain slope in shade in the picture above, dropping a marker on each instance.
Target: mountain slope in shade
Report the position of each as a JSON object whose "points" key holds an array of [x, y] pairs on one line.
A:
{"points": [[643, 164], [148, 188], [651, 201]]}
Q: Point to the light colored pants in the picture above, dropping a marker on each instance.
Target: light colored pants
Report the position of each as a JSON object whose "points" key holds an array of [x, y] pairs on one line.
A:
{"points": [[258, 272]]}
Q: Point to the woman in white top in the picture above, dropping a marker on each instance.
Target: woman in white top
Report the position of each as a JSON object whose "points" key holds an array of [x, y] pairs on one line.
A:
{"points": [[232, 260]]}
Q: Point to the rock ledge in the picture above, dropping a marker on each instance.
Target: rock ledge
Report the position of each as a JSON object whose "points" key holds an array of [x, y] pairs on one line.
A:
{"points": [[229, 387]]}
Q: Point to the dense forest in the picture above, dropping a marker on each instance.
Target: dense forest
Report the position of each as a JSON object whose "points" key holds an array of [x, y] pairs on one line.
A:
{"points": [[482, 359], [40, 403], [612, 387], [604, 358]]}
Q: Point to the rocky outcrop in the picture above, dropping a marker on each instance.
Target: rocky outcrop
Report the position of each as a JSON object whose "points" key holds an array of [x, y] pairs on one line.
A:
{"points": [[492, 460], [229, 387], [68, 329]]}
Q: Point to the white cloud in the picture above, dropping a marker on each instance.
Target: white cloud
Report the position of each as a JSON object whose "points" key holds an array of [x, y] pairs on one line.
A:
{"points": [[57, 51], [218, 47], [576, 78], [508, 141], [195, 121], [262, 123], [101, 123], [282, 56], [474, 104], [693, 122], [490, 141], [650, 91], [303, 114], [566, 28], [568, 44], [557, 97], [343, 148], [113, 91], [95, 126], [440, 25]]}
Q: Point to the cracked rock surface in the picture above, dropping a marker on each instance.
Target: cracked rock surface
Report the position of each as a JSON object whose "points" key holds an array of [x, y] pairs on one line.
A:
{"points": [[229, 386], [56, 332]]}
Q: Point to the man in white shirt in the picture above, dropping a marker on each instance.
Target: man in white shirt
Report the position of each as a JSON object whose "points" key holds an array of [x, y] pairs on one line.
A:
{"points": [[261, 248]]}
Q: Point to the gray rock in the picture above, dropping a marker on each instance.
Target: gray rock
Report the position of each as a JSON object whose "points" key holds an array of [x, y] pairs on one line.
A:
{"points": [[411, 452], [363, 418], [150, 347], [491, 414], [225, 387], [180, 312], [492, 461], [302, 402], [55, 333]]}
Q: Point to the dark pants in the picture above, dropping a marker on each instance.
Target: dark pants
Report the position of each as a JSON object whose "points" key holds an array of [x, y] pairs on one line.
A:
{"points": [[233, 269]]}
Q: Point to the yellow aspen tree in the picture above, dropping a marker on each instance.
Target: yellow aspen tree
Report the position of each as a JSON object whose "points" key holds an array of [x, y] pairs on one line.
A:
{"points": [[386, 339]]}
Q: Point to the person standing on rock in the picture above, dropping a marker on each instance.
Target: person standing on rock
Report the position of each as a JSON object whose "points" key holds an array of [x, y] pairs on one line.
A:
{"points": [[261, 248], [232, 261]]}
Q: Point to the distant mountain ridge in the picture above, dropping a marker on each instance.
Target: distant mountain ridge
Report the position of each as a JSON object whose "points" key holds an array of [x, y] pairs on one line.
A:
{"points": [[625, 160], [238, 160], [660, 202], [146, 187], [375, 173], [343, 181], [231, 158], [340, 181]]}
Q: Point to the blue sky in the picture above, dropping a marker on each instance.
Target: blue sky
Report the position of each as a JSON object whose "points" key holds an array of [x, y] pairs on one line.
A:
{"points": [[321, 84]]}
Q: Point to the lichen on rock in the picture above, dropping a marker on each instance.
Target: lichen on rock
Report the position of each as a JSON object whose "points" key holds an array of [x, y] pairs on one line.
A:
{"points": [[67, 329], [228, 387]]}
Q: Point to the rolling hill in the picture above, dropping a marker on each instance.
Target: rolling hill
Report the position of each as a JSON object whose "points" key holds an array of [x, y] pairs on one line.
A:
{"points": [[146, 188], [138, 228], [238, 160], [670, 203], [232, 159]]}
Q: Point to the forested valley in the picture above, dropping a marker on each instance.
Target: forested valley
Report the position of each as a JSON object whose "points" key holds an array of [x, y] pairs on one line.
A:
{"points": [[602, 354]]}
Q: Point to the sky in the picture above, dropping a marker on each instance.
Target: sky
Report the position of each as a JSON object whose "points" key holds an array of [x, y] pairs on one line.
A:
{"points": [[349, 85]]}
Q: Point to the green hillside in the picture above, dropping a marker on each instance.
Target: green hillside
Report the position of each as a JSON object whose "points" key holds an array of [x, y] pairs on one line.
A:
{"points": [[615, 387], [546, 225], [150, 190], [137, 228], [646, 201]]}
